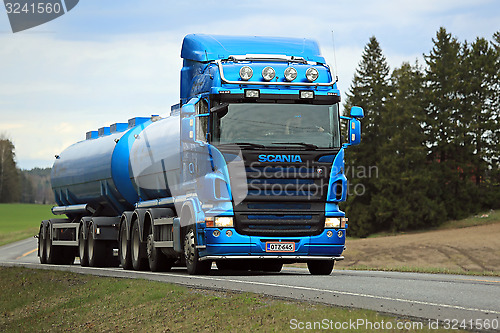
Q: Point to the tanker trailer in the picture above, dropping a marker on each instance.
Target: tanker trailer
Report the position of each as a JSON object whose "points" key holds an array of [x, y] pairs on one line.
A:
{"points": [[247, 171]]}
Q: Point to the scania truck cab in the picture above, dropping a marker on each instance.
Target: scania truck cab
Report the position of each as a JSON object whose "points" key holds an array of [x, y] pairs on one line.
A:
{"points": [[267, 111]]}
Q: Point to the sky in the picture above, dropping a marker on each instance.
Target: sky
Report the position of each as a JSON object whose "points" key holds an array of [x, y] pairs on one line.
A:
{"points": [[107, 61]]}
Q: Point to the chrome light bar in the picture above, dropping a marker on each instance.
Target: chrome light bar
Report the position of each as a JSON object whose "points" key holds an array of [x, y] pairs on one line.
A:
{"points": [[270, 83]]}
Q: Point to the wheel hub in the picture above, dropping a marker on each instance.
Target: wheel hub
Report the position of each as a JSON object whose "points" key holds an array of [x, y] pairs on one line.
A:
{"points": [[149, 246], [189, 247]]}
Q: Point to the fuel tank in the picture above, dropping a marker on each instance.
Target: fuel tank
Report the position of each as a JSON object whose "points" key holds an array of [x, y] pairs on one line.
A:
{"points": [[155, 159], [96, 171]]}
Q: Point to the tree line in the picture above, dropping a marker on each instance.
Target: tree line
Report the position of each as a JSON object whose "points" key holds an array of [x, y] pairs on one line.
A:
{"points": [[432, 131], [26, 186]]}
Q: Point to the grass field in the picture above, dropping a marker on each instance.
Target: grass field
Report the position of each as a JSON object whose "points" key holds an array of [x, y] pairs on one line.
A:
{"points": [[40, 300], [19, 221]]}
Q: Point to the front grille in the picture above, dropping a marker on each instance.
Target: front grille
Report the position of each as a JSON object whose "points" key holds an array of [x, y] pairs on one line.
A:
{"points": [[281, 200], [277, 224]]}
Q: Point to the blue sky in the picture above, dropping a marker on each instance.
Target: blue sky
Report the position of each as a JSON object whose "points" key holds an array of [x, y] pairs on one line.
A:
{"points": [[109, 60]]}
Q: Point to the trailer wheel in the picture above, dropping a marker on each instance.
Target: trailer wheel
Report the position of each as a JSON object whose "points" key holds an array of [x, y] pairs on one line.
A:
{"points": [[320, 267], [139, 256], [41, 247], [82, 248], [124, 248], [51, 252], [194, 266], [95, 249], [158, 262]]}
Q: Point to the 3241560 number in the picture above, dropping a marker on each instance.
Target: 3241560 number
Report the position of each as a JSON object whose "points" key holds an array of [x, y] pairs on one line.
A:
{"points": [[39, 8]]}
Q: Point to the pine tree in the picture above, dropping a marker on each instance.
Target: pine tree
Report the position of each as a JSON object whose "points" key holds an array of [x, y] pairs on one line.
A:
{"points": [[370, 89]]}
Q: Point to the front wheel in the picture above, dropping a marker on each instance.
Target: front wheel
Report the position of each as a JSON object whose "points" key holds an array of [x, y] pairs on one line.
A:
{"points": [[320, 267], [193, 264]]}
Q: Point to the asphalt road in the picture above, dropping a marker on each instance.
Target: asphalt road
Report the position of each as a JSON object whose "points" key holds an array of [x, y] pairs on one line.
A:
{"points": [[427, 296]]}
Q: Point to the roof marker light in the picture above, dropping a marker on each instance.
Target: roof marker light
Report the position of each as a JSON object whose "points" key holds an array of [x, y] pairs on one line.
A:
{"points": [[268, 73], [290, 74], [246, 73]]}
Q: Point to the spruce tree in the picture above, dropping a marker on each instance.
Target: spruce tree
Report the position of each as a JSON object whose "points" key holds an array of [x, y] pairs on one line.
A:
{"points": [[370, 89], [495, 161], [447, 125], [406, 191], [478, 100]]}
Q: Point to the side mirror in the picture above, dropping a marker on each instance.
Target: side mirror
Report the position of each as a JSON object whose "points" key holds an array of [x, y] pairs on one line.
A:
{"points": [[355, 131], [357, 112]]}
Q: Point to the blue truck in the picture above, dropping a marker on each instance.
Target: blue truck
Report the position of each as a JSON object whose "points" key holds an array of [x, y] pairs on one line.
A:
{"points": [[246, 172]]}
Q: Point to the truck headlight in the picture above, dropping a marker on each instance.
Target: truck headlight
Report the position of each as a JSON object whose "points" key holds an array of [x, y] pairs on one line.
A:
{"points": [[335, 222], [268, 73], [223, 222], [312, 74], [246, 73]]}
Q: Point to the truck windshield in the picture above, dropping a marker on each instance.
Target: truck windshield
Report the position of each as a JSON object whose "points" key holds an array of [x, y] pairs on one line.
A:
{"points": [[280, 125]]}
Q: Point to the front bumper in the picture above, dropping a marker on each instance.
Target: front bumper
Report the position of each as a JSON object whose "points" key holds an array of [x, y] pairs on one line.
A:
{"points": [[231, 245]]}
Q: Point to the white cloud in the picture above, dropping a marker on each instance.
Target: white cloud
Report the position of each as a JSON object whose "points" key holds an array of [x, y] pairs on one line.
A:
{"points": [[53, 91]]}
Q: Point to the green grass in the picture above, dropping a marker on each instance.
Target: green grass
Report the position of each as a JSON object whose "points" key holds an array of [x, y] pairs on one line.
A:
{"points": [[42, 300], [19, 221]]}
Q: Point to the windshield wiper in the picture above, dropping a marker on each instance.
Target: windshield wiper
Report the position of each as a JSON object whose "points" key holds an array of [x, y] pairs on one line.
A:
{"points": [[307, 145], [248, 144]]}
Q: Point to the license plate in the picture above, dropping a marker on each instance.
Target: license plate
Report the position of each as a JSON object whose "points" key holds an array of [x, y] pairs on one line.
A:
{"points": [[280, 247]]}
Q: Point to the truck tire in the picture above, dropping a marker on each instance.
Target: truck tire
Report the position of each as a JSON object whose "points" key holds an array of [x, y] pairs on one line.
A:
{"points": [[82, 248], [95, 250], [158, 262], [54, 254], [194, 266], [41, 247], [138, 249], [124, 251], [320, 267], [51, 252]]}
